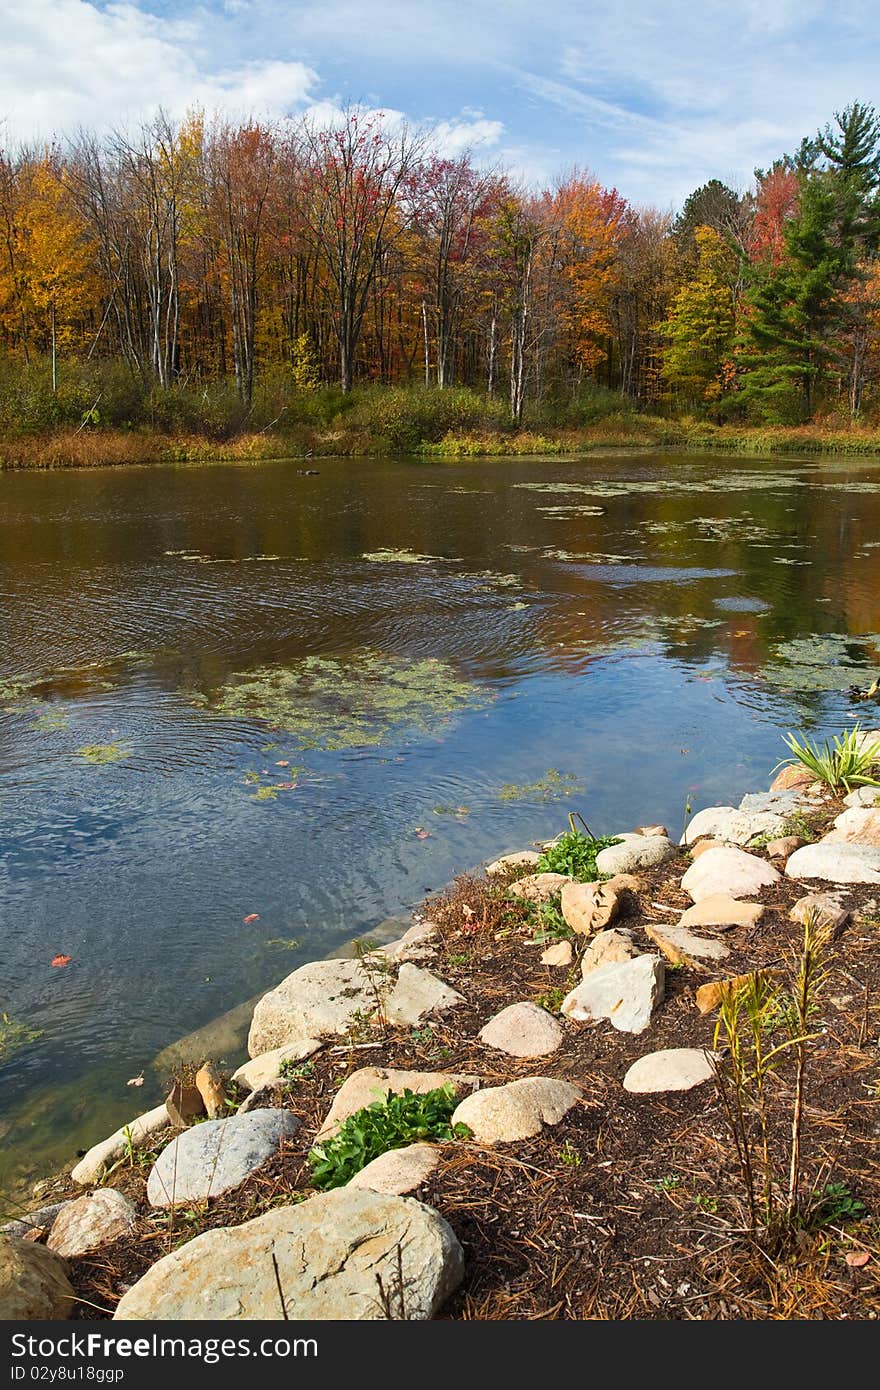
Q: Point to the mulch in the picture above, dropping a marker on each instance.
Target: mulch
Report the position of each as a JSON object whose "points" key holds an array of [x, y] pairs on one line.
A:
{"points": [[632, 1206]]}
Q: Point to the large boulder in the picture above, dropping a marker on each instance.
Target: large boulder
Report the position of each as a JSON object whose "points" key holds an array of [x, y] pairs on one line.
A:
{"points": [[731, 872], [523, 1030], [416, 994], [626, 994], [734, 827], [635, 852], [349, 1255], [858, 825], [217, 1155], [318, 1000], [519, 1110], [91, 1221], [33, 1282], [836, 863], [370, 1084]]}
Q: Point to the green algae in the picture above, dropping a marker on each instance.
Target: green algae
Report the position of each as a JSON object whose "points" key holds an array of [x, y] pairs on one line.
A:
{"points": [[51, 720], [14, 1036], [363, 700], [265, 794], [551, 787], [398, 557], [824, 661], [99, 753]]}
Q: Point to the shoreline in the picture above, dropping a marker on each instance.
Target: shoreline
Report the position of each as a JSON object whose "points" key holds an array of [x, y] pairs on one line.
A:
{"points": [[106, 448], [486, 947]]}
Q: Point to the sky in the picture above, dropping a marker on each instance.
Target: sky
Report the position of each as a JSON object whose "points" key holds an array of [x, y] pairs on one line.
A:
{"points": [[652, 98]]}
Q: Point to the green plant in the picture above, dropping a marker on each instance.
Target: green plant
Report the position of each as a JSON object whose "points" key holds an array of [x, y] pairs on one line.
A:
{"points": [[295, 1071], [570, 1156], [552, 999], [574, 854], [835, 1206], [14, 1035], [390, 1123], [704, 1203], [378, 969], [670, 1182], [552, 926], [846, 762]]}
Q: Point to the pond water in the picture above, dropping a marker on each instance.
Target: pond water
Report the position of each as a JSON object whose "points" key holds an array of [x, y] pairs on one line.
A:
{"points": [[244, 689]]}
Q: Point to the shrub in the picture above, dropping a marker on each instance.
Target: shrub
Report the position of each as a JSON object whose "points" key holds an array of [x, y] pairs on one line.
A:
{"points": [[574, 854]]}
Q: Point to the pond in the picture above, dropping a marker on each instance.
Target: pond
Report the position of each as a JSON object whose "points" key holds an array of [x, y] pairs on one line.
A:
{"points": [[249, 711]]}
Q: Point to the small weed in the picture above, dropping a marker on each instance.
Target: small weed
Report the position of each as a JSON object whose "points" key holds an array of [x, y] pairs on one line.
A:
{"points": [[552, 1000], [552, 926], [459, 958], [295, 1071], [670, 1182], [836, 1206], [704, 1203], [569, 1156]]}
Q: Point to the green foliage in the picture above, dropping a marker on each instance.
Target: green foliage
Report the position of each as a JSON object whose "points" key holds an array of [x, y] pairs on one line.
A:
{"points": [[410, 417], [102, 752], [836, 1206], [552, 926], [846, 762], [552, 999], [391, 1123], [574, 854], [295, 1071]]}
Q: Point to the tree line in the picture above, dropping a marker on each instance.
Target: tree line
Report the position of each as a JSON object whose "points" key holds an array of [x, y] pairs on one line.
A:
{"points": [[199, 251]]}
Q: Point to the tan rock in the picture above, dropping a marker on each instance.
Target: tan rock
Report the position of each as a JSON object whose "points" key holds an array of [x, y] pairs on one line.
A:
{"points": [[33, 1282], [729, 871], [400, 1171], [539, 888], [722, 912], [90, 1169], [91, 1221], [518, 859], [792, 776], [184, 1104], [589, 907], [519, 1110], [682, 947], [859, 825], [523, 1030], [265, 1069], [559, 954], [607, 948], [624, 992], [373, 1083], [702, 845], [673, 1069], [652, 830], [781, 849], [825, 904], [417, 993], [209, 1085]]}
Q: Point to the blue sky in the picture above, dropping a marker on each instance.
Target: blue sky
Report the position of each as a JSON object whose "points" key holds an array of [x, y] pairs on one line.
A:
{"points": [[653, 98]]}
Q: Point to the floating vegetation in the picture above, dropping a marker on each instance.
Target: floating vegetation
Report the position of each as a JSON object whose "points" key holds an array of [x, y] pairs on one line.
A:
{"points": [[103, 752], [451, 811], [553, 785], [363, 700], [198, 557], [590, 557], [516, 607], [569, 509], [588, 488], [283, 943], [14, 1036], [827, 661], [15, 696], [51, 720], [265, 794], [491, 579], [399, 557]]}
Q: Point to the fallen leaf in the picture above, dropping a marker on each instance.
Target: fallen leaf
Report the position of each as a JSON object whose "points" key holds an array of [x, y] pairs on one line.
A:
{"points": [[61, 960], [742, 632], [282, 762], [251, 917], [422, 834], [285, 786], [135, 1080], [856, 1258]]}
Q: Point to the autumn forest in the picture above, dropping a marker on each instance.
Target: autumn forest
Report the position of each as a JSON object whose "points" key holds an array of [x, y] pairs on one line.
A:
{"points": [[210, 277]]}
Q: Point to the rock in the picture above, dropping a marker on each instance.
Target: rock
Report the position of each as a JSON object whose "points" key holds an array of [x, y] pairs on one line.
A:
{"points": [[652, 830], [399, 1171], [625, 883], [673, 1069], [733, 827], [539, 888], [709, 996], [559, 954], [339, 1256], [39, 1220], [721, 911], [607, 948], [836, 863], [217, 1155], [729, 871], [90, 1221], [416, 994], [863, 796], [265, 1069], [91, 1168], [625, 994], [316, 1001], [270, 1096], [373, 1083], [589, 907], [522, 1030], [792, 776], [825, 904], [702, 845], [519, 1110], [678, 944], [209, 1085], [869, 738], [781, 849], [183, 1104], [780, 803], [33, 1282], [706, 823], [517, 859], [415, 944], [636, 852], [859, 825]]}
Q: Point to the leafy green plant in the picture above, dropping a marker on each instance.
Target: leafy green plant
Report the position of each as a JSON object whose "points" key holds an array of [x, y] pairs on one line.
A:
{"points": [[574, 854], [836, 1206], [552, 926], [845, 762], [295, 1071], [552, 999], [570, 1156], [391, 1123]]}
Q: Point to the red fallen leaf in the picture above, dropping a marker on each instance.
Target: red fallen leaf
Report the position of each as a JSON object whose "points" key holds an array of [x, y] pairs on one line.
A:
{"points": [[856, 1258], [251, 917], [422, 834], [61, 960]]}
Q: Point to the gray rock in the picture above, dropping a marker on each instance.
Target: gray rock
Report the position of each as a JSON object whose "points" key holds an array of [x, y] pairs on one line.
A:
{"points": [[626, 994], [519, 1110], [33, 1282], [516, 859], [636, 852], [347, 1255], [836, 863], [39, 1220], [400, 1171], [732, 826], [523, 1030], [370, 1084], [673, 1069], [217, 1155], [416, 994], [731, 872], [415, 944], [91, 1168], [318, 1000], [781, 803], [90, 1221]]}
